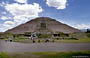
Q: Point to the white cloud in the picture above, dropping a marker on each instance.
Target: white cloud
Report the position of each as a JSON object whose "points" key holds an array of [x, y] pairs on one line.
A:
{"points": [[4, 18], [9, 24], [20, 13], [23, 13], [21, 1], [82, 26], [27, 10], [59, 4], [2, 28]]}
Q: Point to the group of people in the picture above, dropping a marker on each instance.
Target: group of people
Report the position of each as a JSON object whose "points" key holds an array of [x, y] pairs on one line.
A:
{"points": [[10, 39], [45, 41]]}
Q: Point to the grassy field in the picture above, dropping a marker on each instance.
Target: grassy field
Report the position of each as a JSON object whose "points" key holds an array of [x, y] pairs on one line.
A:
{"points": [[58, 41], [74, 41], [73, 54]]}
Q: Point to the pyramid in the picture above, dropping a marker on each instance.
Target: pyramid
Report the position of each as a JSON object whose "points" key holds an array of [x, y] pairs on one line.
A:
{"points": [[44, 25]]}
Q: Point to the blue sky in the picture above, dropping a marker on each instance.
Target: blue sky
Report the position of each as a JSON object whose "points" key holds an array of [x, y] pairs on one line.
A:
{"points": [[75, 13]]}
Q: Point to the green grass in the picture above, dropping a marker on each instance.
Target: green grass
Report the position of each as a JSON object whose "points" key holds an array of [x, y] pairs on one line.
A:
{"points": [[73, 54], [26, 40], [74, 41], [3, 55], [58, 41], [21, 40]]}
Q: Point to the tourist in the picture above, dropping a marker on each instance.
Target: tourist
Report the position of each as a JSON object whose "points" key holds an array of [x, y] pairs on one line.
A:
{"points": [[46, 41], [33, 41], [11, 39]]}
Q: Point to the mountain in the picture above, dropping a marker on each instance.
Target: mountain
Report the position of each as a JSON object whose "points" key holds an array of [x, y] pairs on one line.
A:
{"points": [[42, 25], [83, 30]]}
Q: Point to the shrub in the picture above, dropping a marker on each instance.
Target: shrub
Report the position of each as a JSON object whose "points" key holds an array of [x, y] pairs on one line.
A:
{"points": [[44, 35]]}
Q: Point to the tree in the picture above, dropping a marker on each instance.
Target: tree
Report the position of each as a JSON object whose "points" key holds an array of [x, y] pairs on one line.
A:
{"points": [[88, 31]]}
